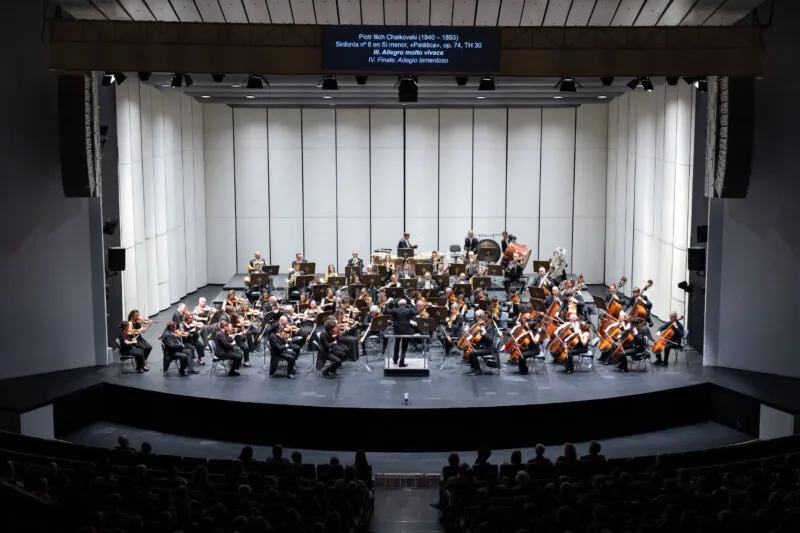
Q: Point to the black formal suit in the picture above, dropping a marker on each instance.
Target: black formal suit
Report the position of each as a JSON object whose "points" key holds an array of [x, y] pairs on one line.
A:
{"points": [[177, 317], [403, 244], [550, 299], [543, 282], [401, 323], [407, 274], [142, 342], [136, 351], [533, 349], [355, 263], [503, 246], [330, 350], [486, 346], [622, 299], [281, 349], [512, 274], [175, 349], [225, 349], [673, 343], [470, 245], [296, 261], [453, 331], [637, 347], [648, 305]]}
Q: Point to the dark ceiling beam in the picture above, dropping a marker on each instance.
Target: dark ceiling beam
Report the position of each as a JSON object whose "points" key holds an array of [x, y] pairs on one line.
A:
{"points": [[82, 45]]}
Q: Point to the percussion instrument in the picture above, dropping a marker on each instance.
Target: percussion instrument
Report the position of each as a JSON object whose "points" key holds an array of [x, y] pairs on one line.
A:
{"points": [[517, 249], [488, 251]]}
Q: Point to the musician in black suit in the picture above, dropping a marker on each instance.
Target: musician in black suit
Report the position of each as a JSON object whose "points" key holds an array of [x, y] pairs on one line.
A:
{"points": [[504, 243], [636, 295], [405, 242], [452, 328], [298, 258], [486, 346], [537, 334], [612, 292], [407, 272], [177, 316], [554, 294], [282, 348], [225, 349], [637, 348], [674, 342], [470, 243], [403, 324], [330, 349], [512, 273], [356, 261], [175, 349], [542, 279]]}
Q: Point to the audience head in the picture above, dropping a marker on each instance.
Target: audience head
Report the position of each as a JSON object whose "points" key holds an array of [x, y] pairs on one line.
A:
{"points": [[146, 447], [123, 441], [297, 457], [246, 454], [570, 453], [594, 448], [516, 457], [277, 451]]}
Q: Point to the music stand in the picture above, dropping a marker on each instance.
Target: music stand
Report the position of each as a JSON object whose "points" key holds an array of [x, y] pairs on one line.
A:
{"points": [[456, 269], [462, 289], [318, 291], [481, 282], [350, 270], [495, 270], [379, 324], [538, 305], [408, 283], [425, 325], [272, 270], [371, 280], [438, 312], [438, 301], [355, 289], [405, 253], [381, 271], [421, 268], [483, 305], [539, 264], [215, 317], [426, 293], [395, 292], [308, 268], [302, 307], [259, 279], [537, 293], [442, 279], [337, 281]]}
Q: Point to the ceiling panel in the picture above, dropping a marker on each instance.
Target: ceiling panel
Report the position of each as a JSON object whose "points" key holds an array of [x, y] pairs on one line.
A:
{"points": [[257, 12], [464, 12], [651, 12], [303, 11], [533, 13], [580, 12], [233, 11], [556, 13], [112, 9], [349, 12], [394, 12], [510, 12], [441, 12], [372, 11], [162, 10], [186, 10], [732, 12], [675, 12], [326, 11], [627, 12], [488, 12], [80, 9], [280, 11], [603, 13], [210, 10], [137, 9], [419, 12], [700, 12]]}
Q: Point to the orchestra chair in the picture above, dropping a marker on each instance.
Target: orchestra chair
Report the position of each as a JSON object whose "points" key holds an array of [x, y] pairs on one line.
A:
{"points": [[123, 358], [455, 248], [681, 348], [588, 357], [642, 358], [166, 362], [540, 360], [216, 361]]}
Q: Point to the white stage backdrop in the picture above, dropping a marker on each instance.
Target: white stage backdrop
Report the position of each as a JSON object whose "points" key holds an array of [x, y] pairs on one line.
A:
{"points": [[161, 195], [327, 181], [648, 192]]}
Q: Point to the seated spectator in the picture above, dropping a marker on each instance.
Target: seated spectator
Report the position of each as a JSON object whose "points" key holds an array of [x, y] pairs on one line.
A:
{"points": [[483, 456], [124, 444], [516, 458], [297, 458], [570, 454], [147, 448], [277, 455], [540, 459], [246, 454], [594, 453]]}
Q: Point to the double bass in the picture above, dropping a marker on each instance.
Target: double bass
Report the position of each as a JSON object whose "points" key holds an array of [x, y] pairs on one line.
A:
{"points": [[639, 310], [666, 337], [614, 308]]}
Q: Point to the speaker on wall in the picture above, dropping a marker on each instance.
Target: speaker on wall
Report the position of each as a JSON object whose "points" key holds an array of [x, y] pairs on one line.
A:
{"points": [[697, 258], [116, 259], [702, 234], [76, 129]]}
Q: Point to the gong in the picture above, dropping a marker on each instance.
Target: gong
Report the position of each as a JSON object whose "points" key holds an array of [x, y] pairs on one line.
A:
{"points": [[488, 251]]}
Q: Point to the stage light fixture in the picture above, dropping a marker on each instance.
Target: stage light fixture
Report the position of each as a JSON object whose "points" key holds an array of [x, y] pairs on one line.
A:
{"points": [[701, 85], [602, 97], [110, 226], [480, 97], [218, 78], [641, 81], [120, 77], [408, 89], [672, 81], [567, 85], [256, 81], [607, 81], [177, 80], [113, 78], [487, 84], [461, 80], [686, 287], [249, 96], [205, 96], [361, 80], [187, 80], [329, 83], [144, 76]]}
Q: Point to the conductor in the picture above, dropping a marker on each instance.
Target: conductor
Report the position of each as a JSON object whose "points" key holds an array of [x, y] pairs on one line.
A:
{"points": [[403, 324]]}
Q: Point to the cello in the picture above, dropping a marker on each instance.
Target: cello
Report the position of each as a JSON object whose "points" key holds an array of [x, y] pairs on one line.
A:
{"points": [[572, 306], [666, 337], [518, 339], [470, 339], [639, 310], [563, 342], [611, 336], [614, 307], [552, 317]]}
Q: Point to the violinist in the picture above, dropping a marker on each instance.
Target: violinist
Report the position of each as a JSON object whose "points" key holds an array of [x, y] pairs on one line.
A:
{"points": [[329, 301], [225, 349], [294, 321], [513, 273], [637, 346], [512, 305], [579, 331], [356, 261], [613, 332], [244, 337], [271, 309], [233, 301], [331, 350], [537, 334], [368, 332], [130, 344], [175, 349], [494, 308], [140, 325], [672, 343], [348, 331], [477, 296], [281, 347], [177, 316], [486, 346], [202, 312], [364, 296], [193, 331], [452, 328]]}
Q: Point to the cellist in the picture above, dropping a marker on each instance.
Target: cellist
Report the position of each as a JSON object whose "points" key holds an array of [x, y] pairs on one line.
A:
{"points": [[536, 334], [486, 345], [672, 343], [614, 331], [452, 328], [580, 332], [636, 346]]}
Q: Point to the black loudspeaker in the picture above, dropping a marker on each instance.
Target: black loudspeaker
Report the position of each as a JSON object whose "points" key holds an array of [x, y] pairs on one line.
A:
{"points": [[116, 259], [76, 135], [697, 258], [702, 234], [732, 112]]}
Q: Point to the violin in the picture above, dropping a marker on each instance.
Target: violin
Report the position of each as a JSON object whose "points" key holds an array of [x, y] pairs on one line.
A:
{"points": [[666, 337]]}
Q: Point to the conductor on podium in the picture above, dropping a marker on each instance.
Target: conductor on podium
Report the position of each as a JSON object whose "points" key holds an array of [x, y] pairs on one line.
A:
{"points": [[403, 324]]}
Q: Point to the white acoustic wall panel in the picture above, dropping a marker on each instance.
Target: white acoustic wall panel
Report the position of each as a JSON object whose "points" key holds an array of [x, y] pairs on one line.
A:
{"points": [[319, 185], [251, 164], [189, 225], [591, 155], [621, 269], [352, 183], [630, 182], [422, 176], [157, 120], [285, 185], [522, 199], [557, 181], [455, 175], [643, 265], [220, 204], [489, 153], [386, 171], [611, 189], [199, 193], [173, 158]]}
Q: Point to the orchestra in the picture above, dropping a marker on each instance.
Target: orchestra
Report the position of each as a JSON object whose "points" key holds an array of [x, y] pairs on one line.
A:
{"points": [[467, 316]]}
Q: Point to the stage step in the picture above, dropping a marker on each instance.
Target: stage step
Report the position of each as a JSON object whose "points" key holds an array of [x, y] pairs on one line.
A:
{"points": [[416, 367]]}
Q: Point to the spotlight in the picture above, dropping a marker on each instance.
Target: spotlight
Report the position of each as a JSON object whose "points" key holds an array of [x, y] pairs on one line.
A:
{"points": [[329, 83], [177, 80], [672, 81], [408, 89], [218, 78], [256, 81], [110, 226], [642, 81], [120, 78], [361, 80], [701, 85], [647, 85], [112, 78], [686, 287], [607, 81], [487, 84], [461, 80], [187, 80], [144, 76], [108, 79], [567, 85]]}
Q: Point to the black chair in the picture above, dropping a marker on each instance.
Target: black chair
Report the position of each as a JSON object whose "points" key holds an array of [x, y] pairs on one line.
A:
{"points": [[123, 358]]}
